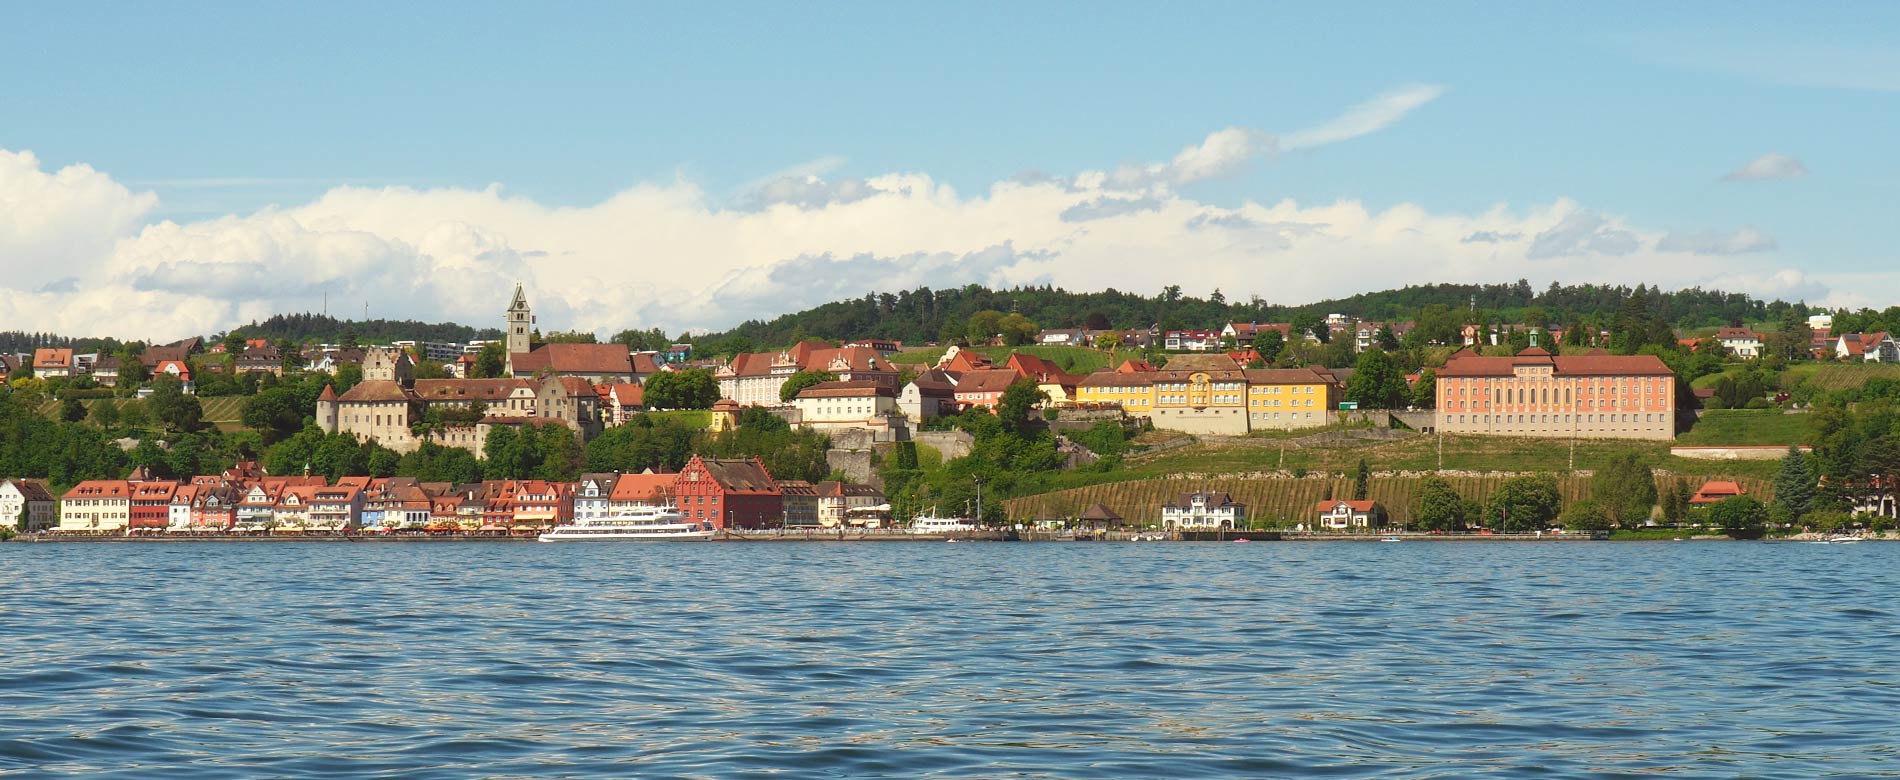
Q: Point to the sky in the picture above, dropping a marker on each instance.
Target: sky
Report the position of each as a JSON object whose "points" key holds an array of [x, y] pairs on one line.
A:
{"points": [[170, 170]]}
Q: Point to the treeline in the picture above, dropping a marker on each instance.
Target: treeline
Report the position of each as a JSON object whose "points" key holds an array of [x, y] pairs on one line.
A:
{"points": [[324, 328], [24, 342], [924, 314]]}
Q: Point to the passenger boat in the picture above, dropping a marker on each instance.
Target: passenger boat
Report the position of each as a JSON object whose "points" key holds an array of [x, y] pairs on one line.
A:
{"points": [[640, 524], [926, 524]]}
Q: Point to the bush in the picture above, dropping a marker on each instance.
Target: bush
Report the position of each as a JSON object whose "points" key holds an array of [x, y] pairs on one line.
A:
{"points": [[1714, 403], [1758, 403]]}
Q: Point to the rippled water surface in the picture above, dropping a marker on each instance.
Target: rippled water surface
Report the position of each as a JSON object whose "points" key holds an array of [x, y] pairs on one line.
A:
{"points": [[930, 660]]}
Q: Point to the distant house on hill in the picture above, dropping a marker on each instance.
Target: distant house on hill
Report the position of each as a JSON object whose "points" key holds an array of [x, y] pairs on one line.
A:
{"points": [[1342, 515], [1714, 491]]}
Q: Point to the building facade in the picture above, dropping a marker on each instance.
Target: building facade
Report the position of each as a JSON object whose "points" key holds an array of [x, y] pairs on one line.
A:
{"points": [[1534, 393]]}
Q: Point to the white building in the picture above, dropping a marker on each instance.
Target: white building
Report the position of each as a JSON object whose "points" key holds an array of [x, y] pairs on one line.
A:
{"points": [[1740, 342], [29, 501], [1821, 322], [858, 404], [593, 496], [1203, 511], [1341, 515]]}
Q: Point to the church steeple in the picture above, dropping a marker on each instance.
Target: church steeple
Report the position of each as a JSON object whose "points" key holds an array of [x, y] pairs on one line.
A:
{"points": [[520, 324]]}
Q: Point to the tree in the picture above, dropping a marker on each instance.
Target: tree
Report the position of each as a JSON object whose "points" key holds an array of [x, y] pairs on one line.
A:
{"points": [[1269, 342], [1624, 490], [1018, 403], [71, 410], [134, 414], [348, 375], [1524, 503], [1359, 481], [1385, 338], [1425, 390], [693, 388], [1438, 506], [1795, 483], [105, 414], [1109, 341], [1587, 516], [799, 381], [1376, 382], [491, 362], [983, 326], [1739, 516], [1016, 330], [429, 369], [1675, 501], [274, 413], [172, 408]]}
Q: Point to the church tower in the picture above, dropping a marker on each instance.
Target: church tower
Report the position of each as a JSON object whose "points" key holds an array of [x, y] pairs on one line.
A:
{"points": [[520, 323]]}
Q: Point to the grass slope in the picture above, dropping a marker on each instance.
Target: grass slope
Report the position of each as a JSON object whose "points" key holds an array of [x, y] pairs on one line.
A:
{"points": [[1285, 498], [1747, 427]]}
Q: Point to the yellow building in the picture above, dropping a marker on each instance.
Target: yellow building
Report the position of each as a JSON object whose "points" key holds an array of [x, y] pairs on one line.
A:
{"points": [[1289, 398], [1212, 394]]}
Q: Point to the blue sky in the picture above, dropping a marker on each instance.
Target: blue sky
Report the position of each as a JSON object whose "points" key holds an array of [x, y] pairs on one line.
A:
{"points": [[1635, 112]]}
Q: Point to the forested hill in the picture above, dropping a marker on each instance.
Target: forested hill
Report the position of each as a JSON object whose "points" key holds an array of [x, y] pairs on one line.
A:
{"points": [[319, 327], [921, 315]]}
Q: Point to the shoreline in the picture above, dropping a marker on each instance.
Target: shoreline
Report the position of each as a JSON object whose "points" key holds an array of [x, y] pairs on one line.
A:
{"points": [[981, 536]]}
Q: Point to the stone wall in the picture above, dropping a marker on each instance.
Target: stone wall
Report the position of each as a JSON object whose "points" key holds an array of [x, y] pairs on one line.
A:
{"points": [[952, 444]]}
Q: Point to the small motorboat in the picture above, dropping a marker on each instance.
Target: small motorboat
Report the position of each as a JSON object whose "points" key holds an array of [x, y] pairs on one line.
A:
{"points": [[1391, 539]]}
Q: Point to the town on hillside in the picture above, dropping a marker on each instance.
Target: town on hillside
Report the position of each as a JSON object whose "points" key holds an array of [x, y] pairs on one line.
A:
{"points": [[523, 432]]}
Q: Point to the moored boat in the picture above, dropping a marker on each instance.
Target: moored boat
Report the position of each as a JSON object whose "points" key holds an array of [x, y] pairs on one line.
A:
{"points": [[640, 524]]}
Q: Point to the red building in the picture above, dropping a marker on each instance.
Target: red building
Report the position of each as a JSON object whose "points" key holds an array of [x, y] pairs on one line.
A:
{"points": [[736, 493], [151, 505]]}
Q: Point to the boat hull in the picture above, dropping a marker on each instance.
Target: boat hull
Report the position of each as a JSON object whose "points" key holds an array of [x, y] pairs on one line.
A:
{"points": [[691, 536]]}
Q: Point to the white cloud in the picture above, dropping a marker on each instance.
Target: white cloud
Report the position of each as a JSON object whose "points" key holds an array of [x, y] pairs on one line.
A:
{"points": [[1366, 118], [1739, 242], [1773, 165], [1582, 233], [668, 255]]}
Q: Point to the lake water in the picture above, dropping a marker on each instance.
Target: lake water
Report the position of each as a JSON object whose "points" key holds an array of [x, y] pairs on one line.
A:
{"points": [[1506, 660]]}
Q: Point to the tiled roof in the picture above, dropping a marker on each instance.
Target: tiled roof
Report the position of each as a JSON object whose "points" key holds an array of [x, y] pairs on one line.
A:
{"points": [[643, 487], [1099, 512], [1107, 378], [1190, 363], [625, 393], [857, 388], [1466, 363], [100, 488], [449, 390], [1285, 376], [740, 475], [1357, 506], [934, 382], [52, 358], [643, 363], [575, 359], [1214, 499], [380, 391], [988, 380]]}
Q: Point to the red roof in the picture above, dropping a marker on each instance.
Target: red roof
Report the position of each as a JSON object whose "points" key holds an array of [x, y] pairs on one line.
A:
{"points": [[1357, 506], [100, 488], [643, 487], [52, 358], [567, 358], [1716, 490], [1466, 363], [858, 388]]}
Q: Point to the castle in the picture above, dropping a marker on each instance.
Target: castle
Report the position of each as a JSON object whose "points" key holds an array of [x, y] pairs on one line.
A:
{"points": [[396, 410]]}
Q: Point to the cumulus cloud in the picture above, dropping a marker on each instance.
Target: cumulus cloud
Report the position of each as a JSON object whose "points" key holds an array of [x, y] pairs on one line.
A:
{"points": [[1773, 165], [1582, 233], [1490, 237], [1706, 243], [1105, 207], [1366, 118], [669, 255]]}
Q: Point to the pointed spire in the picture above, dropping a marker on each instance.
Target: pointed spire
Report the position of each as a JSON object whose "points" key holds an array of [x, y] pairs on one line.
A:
{"points": [[329, 393], [521, 298]]}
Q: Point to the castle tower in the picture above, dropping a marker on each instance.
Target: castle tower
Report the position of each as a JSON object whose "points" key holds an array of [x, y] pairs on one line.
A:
{"points": [[520, 323], [388, 365], [327, 409]]}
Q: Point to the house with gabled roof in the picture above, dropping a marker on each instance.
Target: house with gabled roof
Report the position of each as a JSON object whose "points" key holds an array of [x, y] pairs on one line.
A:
{"points": [[27, 502], [1342, 515], [728, 493], [1203, 510], [96, 505]]}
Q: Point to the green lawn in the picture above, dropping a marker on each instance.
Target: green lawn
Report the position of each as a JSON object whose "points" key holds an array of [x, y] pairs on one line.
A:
{"points": [[1747, 427]]}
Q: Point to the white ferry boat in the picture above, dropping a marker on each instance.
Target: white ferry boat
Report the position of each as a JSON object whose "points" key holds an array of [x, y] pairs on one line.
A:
{"points": [[926, 524], [640, 524]]}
